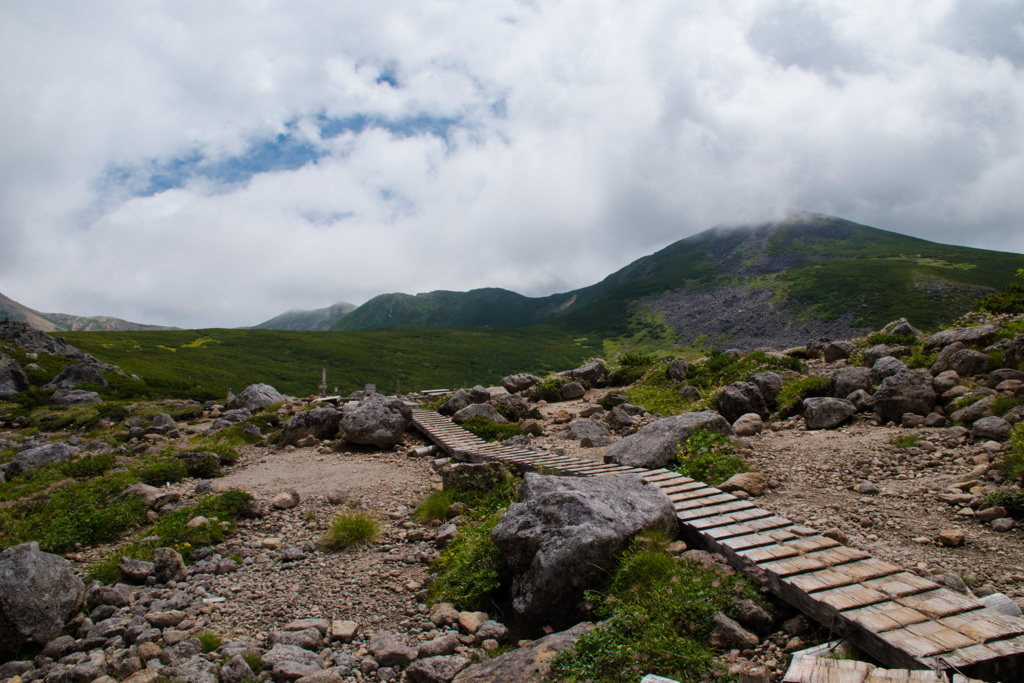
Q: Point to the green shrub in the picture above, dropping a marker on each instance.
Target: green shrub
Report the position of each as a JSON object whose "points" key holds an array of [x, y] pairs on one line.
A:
{"points": [[793, 393], [965, 400], [435, 402], [920, 360], [1010, 300], [201, 465], [890, 339], [471, 568], [719, 369], [1013, 463], [708, 457], [659, 613], [1003, 404], [254, 659], [905, 440], [164, 472], [89, 466], [1013, 501], [434, 508], [516, 413], [349, 529], [491, 431], [549, 390]]}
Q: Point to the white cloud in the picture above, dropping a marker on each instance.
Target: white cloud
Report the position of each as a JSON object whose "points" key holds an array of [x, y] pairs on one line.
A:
{"points": [[580, 135]]}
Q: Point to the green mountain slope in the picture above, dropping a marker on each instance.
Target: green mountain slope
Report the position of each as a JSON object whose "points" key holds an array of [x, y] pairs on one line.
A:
{"points": [[810, 274], [318, 319]]}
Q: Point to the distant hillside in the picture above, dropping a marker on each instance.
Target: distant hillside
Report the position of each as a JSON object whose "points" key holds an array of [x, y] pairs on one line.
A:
{"points": [[318, 319], [61, 322], [771, 284]]}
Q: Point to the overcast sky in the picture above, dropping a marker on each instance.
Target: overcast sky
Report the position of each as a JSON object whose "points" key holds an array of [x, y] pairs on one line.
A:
{"points": [[198, 163]]}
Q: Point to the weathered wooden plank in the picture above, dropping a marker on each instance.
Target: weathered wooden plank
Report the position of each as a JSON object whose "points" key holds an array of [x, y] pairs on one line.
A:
{"points": [[901, 584], [927, 638], [986, 624], [696, 494], [655, 476], [748, 541], [712, 510], [738, 517], [939, 603], [671, 487], [887, 616], [850, 597]]}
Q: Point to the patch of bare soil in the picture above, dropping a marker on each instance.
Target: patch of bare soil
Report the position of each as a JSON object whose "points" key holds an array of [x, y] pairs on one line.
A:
{"points": [[814, 474]]}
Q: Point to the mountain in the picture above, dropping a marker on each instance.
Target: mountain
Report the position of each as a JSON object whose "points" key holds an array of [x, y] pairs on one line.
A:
{"points": [[61, 322], [775, 283], [318, 319]]}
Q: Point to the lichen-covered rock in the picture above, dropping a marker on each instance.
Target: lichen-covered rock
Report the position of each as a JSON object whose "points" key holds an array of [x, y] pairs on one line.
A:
{"points": [[12, 378], [31, 458], [586, 428], [740, 398], [678, 369], [769, 384], [519, 382], [320, 423], [594, 373], [80, 373], [39, 592], [378, 420], [908, 391], [484, 410], [564, 535], [827, 413], [849, 380], [968, 362], [969, 336], [657, 443]]}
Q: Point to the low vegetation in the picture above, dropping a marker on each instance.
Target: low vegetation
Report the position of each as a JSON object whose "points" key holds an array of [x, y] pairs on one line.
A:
{"points": [[659, 611], [793, 393], [708, 457], [434, 508], [491, 431]]}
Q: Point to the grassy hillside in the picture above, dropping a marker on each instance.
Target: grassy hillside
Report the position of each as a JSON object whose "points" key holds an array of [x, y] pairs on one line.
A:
{"points": [[318, 319], [209, 361]]}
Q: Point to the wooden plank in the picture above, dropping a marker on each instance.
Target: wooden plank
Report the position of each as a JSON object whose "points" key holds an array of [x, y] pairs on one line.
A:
{"points": [[738, 517], [655, 476], [768, 553], [927, 638], [887, 616], [986, 624], [748, 541], [711, 511], [850, 597], [939, 603], [901, 584], [697, 495], [672, 487]]}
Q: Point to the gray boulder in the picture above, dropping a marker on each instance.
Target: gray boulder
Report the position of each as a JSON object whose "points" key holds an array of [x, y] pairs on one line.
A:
{"points": [[656, 444], [75, 397], [969, 362], [320, 423], [941, 363], [256, 397], [519, 382], [975, 411], [484, 410], [389, 650], [839, 350], [566, 533], [849, 380], [39, 592], [1013, 357], [678, 369], [877, 351], [827, 413], [740, 398], [168, 565], [862, 401], [586, 428], [991, 429], [38, 341], [886, 366], [573, 390], [769, 384], [441, 669], [478, 394], [970, 336], [902, 328], [594, 374], [908, 391], [527, 664], [12, 378], [378, 420], [458, 401], [80, 373], [31, 458]]}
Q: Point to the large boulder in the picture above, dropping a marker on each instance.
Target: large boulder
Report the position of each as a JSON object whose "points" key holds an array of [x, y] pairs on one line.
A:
{"points": [[31, 458], [656, 444], [991, 429], [970, 336], [769, 384], [969, 362], [479, 394], [594, 374], [565, 534], [941, 363], [740, 398], [908, 391], [39, 592], [378, 420], [484, 410], [586, 428], [458, 401], [827, 413], [528, 664], [79, 373], [877, 351], [320, 423], [886, 366], [974, 412], [75, 397], [38, 341], [12, 378], [838, 350], [519, 382], [678, 369], [902, 328], [256, 397], [849, 380], [1013, 357]]}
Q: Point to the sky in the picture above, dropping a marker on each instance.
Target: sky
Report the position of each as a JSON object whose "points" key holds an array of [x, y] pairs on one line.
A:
{"points": [[214, 164]]}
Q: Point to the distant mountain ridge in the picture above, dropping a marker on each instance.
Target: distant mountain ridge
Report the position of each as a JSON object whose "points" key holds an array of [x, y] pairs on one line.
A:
{"points": [[62, 322], [317, 319], [773, 283]]}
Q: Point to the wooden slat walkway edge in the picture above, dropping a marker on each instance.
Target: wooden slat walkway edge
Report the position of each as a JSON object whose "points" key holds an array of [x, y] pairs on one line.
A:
{"points": [[897, 617]]}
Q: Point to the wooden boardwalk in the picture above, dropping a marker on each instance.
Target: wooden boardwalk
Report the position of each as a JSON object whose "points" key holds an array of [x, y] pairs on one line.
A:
{"points": [[901, 619]]}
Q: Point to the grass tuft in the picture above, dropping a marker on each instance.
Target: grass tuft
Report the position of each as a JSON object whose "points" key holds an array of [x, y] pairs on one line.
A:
{"points": [[708, 457], [350, 529], [793, 393], [491, 431], [209, 641], [905, 440], [434, 508]]}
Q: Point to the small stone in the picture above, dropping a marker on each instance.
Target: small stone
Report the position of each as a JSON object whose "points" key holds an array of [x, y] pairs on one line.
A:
{"points": [[344, 630], [1002, 524], [836, 535], [443, 613], [272, 543], [286, 499], [471, 621], [951, 538], [990, 514], [867, 488]]}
